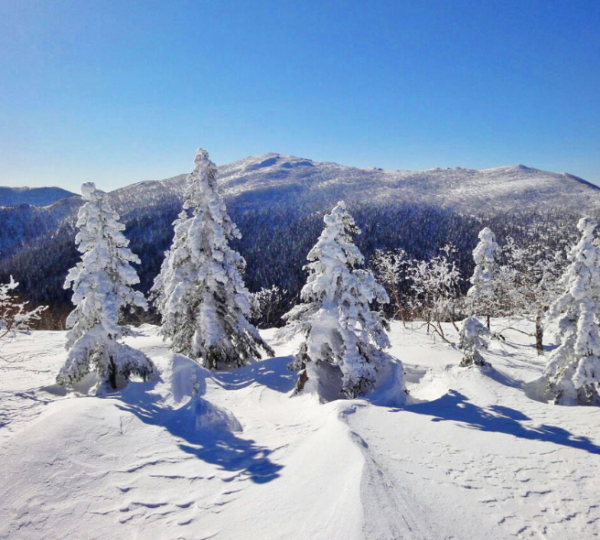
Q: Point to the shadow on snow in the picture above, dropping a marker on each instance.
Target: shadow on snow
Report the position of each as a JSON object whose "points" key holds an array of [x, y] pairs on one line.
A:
{"points": [[216, 444], [454, 406]]}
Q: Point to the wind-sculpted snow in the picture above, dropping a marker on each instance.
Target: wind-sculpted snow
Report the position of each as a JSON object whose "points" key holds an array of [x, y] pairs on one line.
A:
{"points": [[234, 456]]}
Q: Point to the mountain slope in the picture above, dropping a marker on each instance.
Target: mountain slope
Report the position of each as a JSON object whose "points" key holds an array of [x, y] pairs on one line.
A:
{"points": [[278, 202], [273, 180], [36, 196]]}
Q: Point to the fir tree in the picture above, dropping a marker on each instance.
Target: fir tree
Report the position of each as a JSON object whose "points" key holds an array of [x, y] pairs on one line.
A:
{"points": [[200, 292], [573, 369], [342, 351], [102, 287], [482, 295], [472, 340]]}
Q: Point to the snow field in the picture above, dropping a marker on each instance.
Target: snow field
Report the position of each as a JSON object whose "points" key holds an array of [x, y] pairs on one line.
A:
{"points": [[470, 455]]}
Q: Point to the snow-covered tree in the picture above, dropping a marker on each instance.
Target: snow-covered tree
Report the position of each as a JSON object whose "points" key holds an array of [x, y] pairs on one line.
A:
{"points": [[200, 292], [472, 340], [391, 270], [531, 278], [269, 301], [436, 289], [482, 296], [573, 369], [14, 316], [342, 351], [102, 287]]}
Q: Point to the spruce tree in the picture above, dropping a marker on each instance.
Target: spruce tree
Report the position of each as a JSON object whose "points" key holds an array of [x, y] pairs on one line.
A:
{"points": [[482, 295], [102, 288], [200, 292], [342, 351], [573, 369]]}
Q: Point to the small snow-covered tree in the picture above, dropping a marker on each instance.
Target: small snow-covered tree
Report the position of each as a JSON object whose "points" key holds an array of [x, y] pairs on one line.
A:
{"points": [[269, 302], [14, 316], [102, 287], [200, 292], [573, 369], [472, 341], [342, 351], [391, 270], [482, 296], [531, 277], [436, 289]]}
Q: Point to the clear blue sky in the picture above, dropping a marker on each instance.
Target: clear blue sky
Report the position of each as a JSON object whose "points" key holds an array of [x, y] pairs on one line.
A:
{"points": [[121, 91]]}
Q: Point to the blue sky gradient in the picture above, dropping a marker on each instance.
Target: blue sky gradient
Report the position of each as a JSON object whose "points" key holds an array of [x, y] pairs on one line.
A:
{"points": [[121, 91]]}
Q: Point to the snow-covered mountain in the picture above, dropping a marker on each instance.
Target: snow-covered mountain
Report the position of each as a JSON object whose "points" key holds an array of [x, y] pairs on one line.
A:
{"points": [[278, 201], [43, 196], [275, 179]]}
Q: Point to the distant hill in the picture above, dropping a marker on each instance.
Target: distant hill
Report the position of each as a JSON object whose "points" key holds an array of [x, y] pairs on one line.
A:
{"points": [[43, 196], [278, 202]]}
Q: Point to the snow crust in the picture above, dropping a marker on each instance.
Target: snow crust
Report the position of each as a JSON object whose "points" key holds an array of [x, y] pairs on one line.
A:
{"points": [[470, 455]]}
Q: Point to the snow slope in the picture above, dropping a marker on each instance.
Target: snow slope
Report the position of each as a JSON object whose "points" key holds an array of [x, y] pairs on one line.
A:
{"points": [[471, 456]]}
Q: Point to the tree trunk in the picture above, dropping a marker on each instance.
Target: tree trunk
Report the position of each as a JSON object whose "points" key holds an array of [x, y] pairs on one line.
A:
{"points": [[539, 333], [488, 322], [112, 374]]}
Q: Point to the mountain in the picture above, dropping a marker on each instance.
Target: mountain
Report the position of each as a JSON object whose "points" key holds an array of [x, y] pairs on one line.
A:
{"points": [[278, 202], [275, 179], [43, 196]]}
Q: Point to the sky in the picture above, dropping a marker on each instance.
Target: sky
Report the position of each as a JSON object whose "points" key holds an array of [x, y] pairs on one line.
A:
{"points": [[117, 92]]}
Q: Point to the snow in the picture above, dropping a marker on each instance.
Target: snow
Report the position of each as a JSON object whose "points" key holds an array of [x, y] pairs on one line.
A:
{"points": [[470, 456]]}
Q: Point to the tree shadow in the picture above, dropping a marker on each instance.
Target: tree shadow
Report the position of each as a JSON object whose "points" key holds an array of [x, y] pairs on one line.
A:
{"points": [[272, 373], [215, 444], [456, 407]]}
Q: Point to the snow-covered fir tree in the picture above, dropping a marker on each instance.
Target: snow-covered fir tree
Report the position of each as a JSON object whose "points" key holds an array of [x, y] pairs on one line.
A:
{"points": [[102, 287], [472, 341], [342, 351], [573, 369], [482, 296], [200, 291]]}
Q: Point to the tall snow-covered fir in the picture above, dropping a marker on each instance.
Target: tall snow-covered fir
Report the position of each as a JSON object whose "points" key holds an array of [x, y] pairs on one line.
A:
{"points": [[102, 287], [573, 369], [200, 292], [482, 293], [342, 351]]}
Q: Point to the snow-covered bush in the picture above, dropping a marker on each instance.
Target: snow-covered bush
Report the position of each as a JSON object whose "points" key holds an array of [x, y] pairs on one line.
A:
{"points": [[342, 351], [102, 288], [573, 369], [482, 296], [435, 286], [269, 302], [472, 340], [200, 292], [391, 270], [14, 317]]}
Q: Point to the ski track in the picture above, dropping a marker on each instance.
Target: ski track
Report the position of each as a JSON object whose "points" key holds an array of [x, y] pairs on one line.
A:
{"points": [[470, 457]]}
